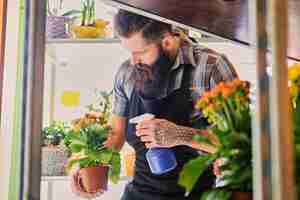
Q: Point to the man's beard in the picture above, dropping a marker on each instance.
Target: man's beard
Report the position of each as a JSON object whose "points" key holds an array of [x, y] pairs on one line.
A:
{"points": [[151, 79]]}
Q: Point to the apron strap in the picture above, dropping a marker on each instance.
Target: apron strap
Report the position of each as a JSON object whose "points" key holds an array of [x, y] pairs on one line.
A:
{"points": [[187, 81]]}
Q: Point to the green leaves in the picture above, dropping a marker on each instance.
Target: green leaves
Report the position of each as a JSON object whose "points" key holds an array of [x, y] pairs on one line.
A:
{"points": [[72, 13], [55, 132], [296, 115], [76, 147], [193, 170], [88, 142], [114, 172], [202, 139], [216, 194], [106, 156]]}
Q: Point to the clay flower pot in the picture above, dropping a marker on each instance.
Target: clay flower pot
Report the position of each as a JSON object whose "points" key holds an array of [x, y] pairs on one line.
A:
{"points": [[93, 179], [241, 196]]}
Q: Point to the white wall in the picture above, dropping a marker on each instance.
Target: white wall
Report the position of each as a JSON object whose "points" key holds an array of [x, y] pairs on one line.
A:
{"points": [[84, 68], [9, 91]]}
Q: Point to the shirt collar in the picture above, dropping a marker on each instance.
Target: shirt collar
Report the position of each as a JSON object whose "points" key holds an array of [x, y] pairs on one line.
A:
{"points": [[184, 56]]}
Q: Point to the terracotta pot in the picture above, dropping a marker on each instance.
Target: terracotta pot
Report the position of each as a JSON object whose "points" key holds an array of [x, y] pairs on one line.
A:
{"points": [[242, 196], [93, 179]]}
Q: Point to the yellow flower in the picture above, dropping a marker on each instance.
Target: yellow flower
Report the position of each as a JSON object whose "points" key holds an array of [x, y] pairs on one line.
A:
{"points": [[294, 72], [294, 90]]}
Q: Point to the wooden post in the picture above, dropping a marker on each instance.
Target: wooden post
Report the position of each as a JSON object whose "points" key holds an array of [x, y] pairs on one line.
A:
{"points": [[283, 186], [33, 98], [261, 124]]}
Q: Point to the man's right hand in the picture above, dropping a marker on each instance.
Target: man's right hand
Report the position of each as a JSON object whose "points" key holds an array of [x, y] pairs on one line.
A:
{"points": [[77, 188]]}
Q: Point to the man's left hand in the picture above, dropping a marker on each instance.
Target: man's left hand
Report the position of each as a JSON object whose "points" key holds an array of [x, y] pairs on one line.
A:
{"points": [[158, 133]]}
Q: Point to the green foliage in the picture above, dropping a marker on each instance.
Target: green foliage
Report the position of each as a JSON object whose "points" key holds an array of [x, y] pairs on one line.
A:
{"points": [[55, 7], [227, 108], [193, 170], [88, 144], [88, 12], [55, 133], [103, 103], [216, 194], [296, 115]]}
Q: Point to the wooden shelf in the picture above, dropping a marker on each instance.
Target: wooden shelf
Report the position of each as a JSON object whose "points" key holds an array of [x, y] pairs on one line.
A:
{"points": [[80, 41], [229, 20]]}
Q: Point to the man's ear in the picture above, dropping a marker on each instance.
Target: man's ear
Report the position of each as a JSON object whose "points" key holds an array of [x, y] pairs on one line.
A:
{"points": [[169, 42]]}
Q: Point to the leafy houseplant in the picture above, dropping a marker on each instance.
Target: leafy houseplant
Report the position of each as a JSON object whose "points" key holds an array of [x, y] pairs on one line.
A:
{"points": [[227, 110], [54, 153], [89, 27], [86, 142], [294, 78]]}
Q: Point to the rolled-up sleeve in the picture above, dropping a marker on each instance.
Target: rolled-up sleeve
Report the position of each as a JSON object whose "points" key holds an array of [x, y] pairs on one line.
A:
{"points": [[120, 98], [223, 70]]}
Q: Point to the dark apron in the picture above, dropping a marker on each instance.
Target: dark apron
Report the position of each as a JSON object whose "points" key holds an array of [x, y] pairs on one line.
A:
{"points": [[176, 107]]}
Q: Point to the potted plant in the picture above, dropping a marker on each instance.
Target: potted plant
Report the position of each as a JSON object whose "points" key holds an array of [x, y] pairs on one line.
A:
{"points": [[90, 27], [294, 78], [54, 153], [86, 142], [227, 108], [57, 20]]}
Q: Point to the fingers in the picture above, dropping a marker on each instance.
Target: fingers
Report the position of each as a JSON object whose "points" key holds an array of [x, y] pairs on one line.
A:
{"points": [[216, 169], [147, 139], [150, 145], [145, 132], [152, 123]]}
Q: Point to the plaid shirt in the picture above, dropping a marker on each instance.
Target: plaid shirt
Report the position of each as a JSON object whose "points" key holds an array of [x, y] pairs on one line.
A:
{"points": [[209, 68]]}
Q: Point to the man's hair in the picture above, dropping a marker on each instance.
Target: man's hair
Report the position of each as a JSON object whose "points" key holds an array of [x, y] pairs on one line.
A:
{"points": [[126, 24]]}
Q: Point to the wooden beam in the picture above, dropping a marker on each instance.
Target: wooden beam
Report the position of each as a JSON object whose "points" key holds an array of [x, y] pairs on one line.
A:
{"points": [[261, 125], [283, 179]]}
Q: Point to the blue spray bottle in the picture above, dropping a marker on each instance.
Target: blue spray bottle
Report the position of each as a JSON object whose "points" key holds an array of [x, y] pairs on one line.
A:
{"points": [[160, 160]]}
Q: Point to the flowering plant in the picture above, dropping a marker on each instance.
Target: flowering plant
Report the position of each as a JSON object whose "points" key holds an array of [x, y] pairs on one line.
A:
{"points": [[227, 108], [86, 142], [294, 78]]}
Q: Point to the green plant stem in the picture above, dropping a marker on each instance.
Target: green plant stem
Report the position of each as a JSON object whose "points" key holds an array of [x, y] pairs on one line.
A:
{"points": [[227, 114]]}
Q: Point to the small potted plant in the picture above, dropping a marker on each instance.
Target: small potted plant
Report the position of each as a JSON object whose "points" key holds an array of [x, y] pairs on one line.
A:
{"points": [[96, 162], [86, 142], [227, 108], [89, 26], [57, 20], [54, 153]]}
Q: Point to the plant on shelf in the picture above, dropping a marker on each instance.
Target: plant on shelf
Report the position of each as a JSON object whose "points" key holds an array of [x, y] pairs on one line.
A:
{"points": [[103, 103], [86, 142], [294, 78], [55, 8], [57, 19], [54, 134], [227, 108], [54, 154], [90, 27]]}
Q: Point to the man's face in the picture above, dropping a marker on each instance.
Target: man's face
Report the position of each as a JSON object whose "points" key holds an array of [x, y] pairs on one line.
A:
{"points": [[141, 51]]}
